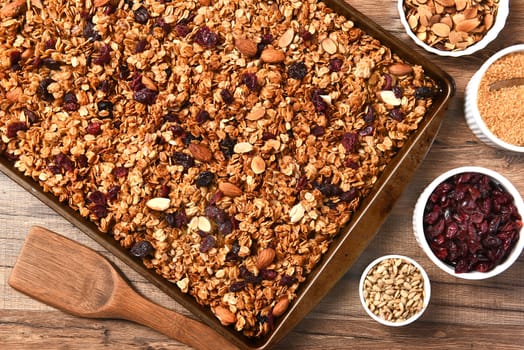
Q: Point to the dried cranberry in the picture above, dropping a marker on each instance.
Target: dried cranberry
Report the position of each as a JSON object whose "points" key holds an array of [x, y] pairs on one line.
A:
{"points": [[177, 219], [350, 163], [251, 81], [396, 114], [287, 280], [171, 118], [182, 29], [329, 190], [90, 31], [348, 196], [64, 162], [123, 71], [141, 249], [104, 86], [202, 116], [70, 102], [14, 127], [205, 179], [227, 96], [177, 130], [100, 211], [120, 172], [141, 46], [142, 15], [268, 274], [30, 115], [305, 34], [183, 159], [266, 135], [297, 70], [350, 141], [113, 192], [98, 198], [237, 286], [164, 191], [55, 169], [266, 38], [317, 130], [145, 96], [50, 44], [388, 81], [225, 227], [15, 57], [42, 90], [94, 128], [207, 243], [321, 106], [397, 91], [302, 183], [369, 117], [206, 38], [367, 131], [161, 23], [335, 65]]}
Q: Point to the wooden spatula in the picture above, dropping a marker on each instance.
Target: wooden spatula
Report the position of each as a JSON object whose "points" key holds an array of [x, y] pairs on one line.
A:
{"points": [[71, 277]]}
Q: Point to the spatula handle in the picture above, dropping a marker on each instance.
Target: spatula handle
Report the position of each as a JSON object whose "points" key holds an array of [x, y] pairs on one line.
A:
{"points": [[172, 324]]}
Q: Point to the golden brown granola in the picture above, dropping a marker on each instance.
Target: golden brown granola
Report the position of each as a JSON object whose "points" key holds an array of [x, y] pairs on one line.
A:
{"points": [[225, 143]]}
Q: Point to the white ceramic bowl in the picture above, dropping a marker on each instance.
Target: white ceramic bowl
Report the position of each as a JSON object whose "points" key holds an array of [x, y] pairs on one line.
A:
{"points": [[418, 227], [498, 25], [427, 291], [473, 118]]}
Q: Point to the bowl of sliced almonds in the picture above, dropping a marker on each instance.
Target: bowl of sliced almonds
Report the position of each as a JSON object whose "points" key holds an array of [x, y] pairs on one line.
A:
{"points": [[453, 27]]}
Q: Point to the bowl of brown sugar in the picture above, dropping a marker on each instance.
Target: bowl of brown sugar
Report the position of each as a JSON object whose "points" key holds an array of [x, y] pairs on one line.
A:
{"points": [[493, 100]]}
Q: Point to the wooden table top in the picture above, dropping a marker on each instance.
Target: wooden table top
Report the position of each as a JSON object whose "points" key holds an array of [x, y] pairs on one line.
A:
{"points": [[462, 314]]}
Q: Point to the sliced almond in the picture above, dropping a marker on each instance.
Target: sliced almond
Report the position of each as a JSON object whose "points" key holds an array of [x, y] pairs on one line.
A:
{"points": [[446, 3], [13, 9], [225, 316], [460, 5], [243, 147], [204, 224], [467, 25], [99, 3], [400, 69], [158, 204], [265, 258], [286, 38], [149, 83], [270, 55], [329, 46], [441, 29], [229, 189], [246, 47], [388, 97], [256, 114], [200, 152], [447, 21], [413, 21], [258, 165], [470, 12], [14, 95], [280, 307], [488, 21]]}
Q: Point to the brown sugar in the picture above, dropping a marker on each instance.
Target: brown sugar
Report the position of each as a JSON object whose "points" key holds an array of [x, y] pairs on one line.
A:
{"points": [[502, 109]]}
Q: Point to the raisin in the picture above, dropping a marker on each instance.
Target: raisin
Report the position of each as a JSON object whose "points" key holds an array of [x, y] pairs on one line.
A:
{"points": [[321, 106], [266, 38], [90, 32], [369, 117], [145, 96], [251, 81], [113, 192], [227, 96], [14, 127], [51, 63], [31, 116], [207, 243], [202, 116], [350, 141], [335, 65], [297, 70], [98, 198], [100, 211], [120, 172], [142, 15], [42, 90], [142, 249], [396, 114], [182, 29], [177, 219], [184, 159], [227, 146], [206, 38], [205, 179], [318, 130]]}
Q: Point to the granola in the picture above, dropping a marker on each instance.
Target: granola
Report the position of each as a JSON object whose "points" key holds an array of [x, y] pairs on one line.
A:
{"points": [[223, 143]]}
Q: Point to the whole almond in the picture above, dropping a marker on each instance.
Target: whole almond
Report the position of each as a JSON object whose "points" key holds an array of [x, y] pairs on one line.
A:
{"points": [[400, 69], [280, 307], [158, 203], [229, 189], [246, 47], [258, 165], [200, 152], [270, 55], [467, 25], [13, 9], [286, 38], [329, 46], [225, 316], [265, 258]]}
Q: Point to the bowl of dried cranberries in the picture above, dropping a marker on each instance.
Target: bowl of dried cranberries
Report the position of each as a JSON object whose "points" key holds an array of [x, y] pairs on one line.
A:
{"points": [[469, 222]]}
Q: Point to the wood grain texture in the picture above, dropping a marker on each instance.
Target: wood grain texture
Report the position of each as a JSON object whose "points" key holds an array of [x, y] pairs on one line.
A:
{"points": [[461, 315]]}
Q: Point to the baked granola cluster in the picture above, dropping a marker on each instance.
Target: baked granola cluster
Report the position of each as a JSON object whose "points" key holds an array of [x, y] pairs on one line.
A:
{"points": [[225, 143]]}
